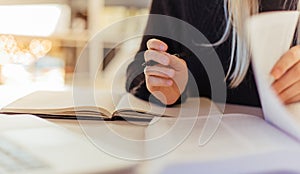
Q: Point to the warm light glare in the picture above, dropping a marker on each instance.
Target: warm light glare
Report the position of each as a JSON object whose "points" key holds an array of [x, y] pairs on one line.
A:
{"points": [[34, 20], [40, 48], [13, 52]]}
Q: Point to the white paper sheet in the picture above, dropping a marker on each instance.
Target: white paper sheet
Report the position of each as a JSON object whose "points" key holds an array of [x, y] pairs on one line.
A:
{"points": [[270, 36], [242, 144]]}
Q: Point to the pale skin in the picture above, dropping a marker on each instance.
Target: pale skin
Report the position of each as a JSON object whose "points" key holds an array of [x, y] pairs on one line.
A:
{"points": [[286, 73], [168, 79]]}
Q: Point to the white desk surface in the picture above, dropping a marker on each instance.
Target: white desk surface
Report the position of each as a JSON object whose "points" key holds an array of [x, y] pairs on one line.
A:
{"points": [[138, 133], [132, 132]]}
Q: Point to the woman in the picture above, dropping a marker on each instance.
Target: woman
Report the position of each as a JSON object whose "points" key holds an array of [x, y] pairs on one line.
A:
{"points": [[222, 23]]}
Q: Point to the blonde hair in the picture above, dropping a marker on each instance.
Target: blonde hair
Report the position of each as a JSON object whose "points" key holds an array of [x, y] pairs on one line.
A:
{"points": [[236, 13]]}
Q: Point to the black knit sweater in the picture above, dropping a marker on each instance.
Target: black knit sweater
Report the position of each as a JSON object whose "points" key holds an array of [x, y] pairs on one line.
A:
{"points": [[208, 17]]}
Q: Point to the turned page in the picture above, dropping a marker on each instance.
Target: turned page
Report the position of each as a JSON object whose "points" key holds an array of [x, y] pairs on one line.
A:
{"points": [[270, 36]]}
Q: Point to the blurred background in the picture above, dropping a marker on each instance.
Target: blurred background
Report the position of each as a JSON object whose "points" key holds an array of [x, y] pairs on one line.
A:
{"points": [[41, 40]]}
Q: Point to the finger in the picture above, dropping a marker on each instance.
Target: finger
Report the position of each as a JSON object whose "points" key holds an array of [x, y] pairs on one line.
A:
{"points": [[176, 63], [157, 56], [155, 44], [154, 81], [293, 100], [159, 71], [166, 59], [288, 79], [290, 92], [288, 60]]}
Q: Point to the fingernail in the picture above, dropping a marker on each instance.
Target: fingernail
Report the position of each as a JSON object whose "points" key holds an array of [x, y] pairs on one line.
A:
{"points": [[170, 82], [162, 47]]}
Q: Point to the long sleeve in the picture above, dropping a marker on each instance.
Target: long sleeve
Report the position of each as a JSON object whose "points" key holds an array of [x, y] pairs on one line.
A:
{"points": [[207, 17]]}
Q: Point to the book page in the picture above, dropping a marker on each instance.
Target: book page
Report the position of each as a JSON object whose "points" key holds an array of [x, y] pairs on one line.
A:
{"points": [[64, 103], [242, 143], [191, 108], [271, 36]]}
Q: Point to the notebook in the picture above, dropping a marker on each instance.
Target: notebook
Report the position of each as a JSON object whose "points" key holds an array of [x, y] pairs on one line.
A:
{"points": [[84, 104]]}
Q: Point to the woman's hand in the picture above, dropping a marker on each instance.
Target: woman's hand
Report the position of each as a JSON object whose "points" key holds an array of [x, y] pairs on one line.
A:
{"points": [[167, 79], [286, 73]]}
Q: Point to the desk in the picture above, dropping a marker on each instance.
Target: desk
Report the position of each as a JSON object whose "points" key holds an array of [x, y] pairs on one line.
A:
{"points": [[228, 149], [138, 133], [235, 144]]}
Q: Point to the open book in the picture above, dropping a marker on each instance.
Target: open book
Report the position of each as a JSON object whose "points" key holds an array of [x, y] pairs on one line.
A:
{"points": [[85, 104]]}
